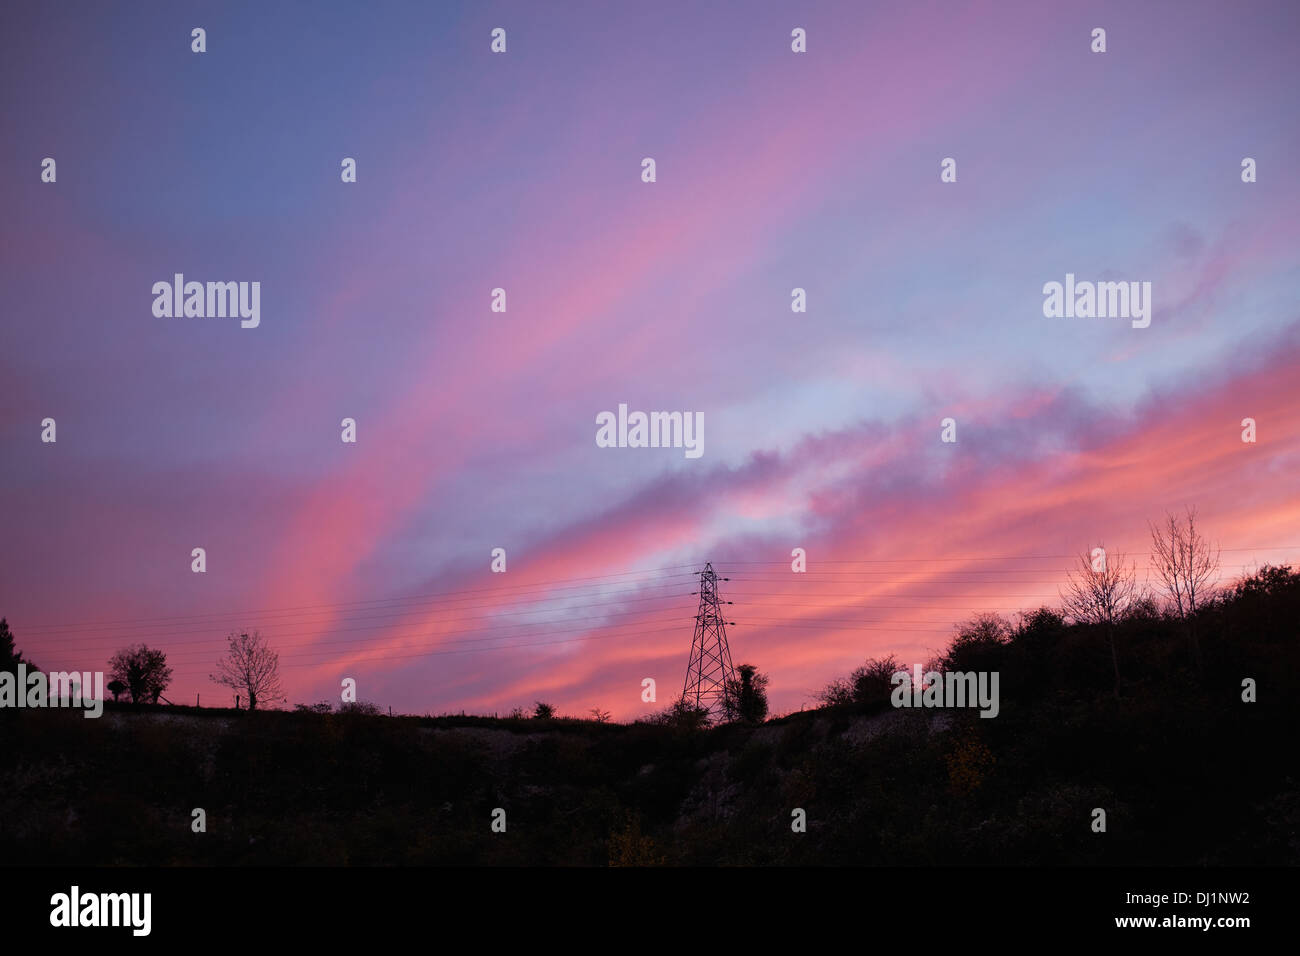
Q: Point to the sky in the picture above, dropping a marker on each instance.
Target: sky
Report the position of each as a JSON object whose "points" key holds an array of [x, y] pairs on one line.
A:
{"points": [[476, 429]]}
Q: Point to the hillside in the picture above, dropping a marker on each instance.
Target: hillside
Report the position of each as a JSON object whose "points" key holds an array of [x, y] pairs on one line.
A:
{"points": [[1187, 772]]}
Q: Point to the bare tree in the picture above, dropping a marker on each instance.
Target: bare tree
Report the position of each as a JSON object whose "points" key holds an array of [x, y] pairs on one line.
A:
{"points": [[251, 666], [1188, 568], [1100, 592]]}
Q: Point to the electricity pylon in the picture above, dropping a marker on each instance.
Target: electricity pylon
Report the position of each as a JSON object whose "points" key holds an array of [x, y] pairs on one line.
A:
{"points": [[710, 672]]}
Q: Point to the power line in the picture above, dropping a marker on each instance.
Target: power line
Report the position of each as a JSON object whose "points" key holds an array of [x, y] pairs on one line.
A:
{"points": [[536, 608], [108, 642], [433, 599], [470, 650], [613, 625], [545, 586], [483, 643]]}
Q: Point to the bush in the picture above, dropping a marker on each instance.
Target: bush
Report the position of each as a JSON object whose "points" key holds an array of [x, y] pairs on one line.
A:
{"points": [[868, 684], [363, 708], [682, 716]]}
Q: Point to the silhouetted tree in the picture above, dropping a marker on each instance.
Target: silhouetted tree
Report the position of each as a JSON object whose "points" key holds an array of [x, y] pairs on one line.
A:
{"points": [[1037, 638], [1039, 625], [252, 667], [116, 688], [1268, 581], [839, 691], [746, 697], [978, 644], [10, 658], [543, 711], [143, 670], [1265, 604], [867, 684], [1188, 568], [875, 679], [1102, 596]]}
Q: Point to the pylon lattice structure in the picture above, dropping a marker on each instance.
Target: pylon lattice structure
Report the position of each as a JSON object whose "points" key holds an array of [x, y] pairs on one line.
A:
{"points": [[710, 672]]}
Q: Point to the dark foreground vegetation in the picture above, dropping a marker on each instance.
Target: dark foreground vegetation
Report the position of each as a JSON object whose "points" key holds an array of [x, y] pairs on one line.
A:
{"points": [[1187, 772]]}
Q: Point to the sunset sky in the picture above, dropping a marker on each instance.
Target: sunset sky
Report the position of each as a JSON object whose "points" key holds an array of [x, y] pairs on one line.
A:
{"points": [[476, 429]]}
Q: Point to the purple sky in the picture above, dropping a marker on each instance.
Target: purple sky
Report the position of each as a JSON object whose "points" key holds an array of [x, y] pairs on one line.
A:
{"points": [[476, 429]]}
